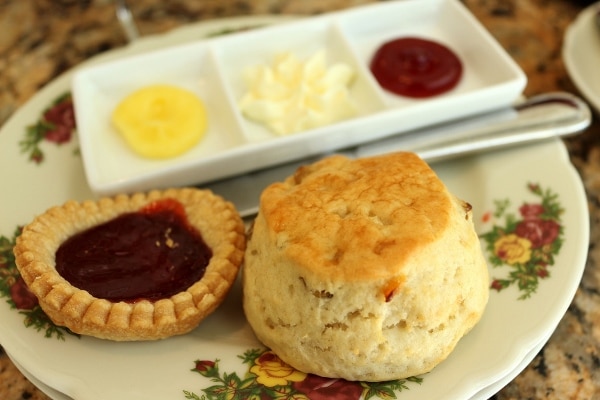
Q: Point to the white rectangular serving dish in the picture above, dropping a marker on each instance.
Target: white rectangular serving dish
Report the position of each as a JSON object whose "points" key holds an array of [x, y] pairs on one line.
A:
{"points": [[212, 69]]}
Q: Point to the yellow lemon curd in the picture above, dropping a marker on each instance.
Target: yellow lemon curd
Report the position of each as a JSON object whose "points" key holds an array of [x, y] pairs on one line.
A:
{"points": [[161, 121]]}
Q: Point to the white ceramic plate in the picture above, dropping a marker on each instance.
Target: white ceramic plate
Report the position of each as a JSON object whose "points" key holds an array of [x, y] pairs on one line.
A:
{"points": [[483, 394], [47, 390], [581, 53], [489, 391], [87, 368], [233, 144]]}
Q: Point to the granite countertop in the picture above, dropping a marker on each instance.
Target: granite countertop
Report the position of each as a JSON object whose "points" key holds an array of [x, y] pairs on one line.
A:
{"points": [[43, 38]]}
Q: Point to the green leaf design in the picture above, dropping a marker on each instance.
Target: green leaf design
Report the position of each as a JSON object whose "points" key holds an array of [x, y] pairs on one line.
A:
{"points": [[297, 386], [37, 132], [10, 280]]}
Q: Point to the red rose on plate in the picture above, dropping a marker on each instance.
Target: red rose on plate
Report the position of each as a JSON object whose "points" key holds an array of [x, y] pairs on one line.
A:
{"points": [[531, 211], [539, 232], [203, 366], [62, 118], [319, 388], [20, 294]]}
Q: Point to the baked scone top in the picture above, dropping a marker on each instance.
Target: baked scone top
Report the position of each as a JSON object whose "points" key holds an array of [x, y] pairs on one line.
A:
{"points": [[374, 213]]}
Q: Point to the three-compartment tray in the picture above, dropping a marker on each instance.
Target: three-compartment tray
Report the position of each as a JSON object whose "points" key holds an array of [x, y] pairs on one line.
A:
{"points": [[213, 70]]}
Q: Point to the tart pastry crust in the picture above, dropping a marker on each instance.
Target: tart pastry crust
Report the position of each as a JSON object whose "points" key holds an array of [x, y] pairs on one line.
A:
{"points": [[218, 222]]}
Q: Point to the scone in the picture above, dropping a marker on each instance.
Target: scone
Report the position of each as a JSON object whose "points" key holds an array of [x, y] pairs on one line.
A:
{"points": [[140, 267], [366, 269]]}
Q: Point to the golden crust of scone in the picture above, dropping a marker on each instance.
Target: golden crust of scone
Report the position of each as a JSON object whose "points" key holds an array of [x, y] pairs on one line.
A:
{"points": [[365, 269], [356, 205], [219, 224]]}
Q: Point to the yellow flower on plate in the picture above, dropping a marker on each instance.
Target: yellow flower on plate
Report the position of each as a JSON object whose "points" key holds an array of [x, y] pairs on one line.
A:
{"points": [[513, 249], [272, 371]]}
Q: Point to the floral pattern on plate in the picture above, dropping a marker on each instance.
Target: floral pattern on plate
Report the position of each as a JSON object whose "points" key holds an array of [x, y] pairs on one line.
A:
{"points": [[13, 287], [56, 124], [268, 377], [527, 242]]}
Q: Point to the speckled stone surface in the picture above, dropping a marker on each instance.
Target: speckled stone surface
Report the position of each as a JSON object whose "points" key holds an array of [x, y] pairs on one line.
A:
{"points": [[42, 38]]}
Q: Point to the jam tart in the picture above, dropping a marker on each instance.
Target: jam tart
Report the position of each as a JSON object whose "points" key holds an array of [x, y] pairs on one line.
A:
{"points": [[133, 267]]}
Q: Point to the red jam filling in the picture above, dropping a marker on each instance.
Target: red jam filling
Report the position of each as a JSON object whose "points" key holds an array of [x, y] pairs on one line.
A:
{"points": [[150, 254], [415, 67]]}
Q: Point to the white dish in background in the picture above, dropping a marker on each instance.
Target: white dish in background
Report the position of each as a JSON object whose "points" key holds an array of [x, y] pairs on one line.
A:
{"points": [[581, 54], [213, 70]]}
